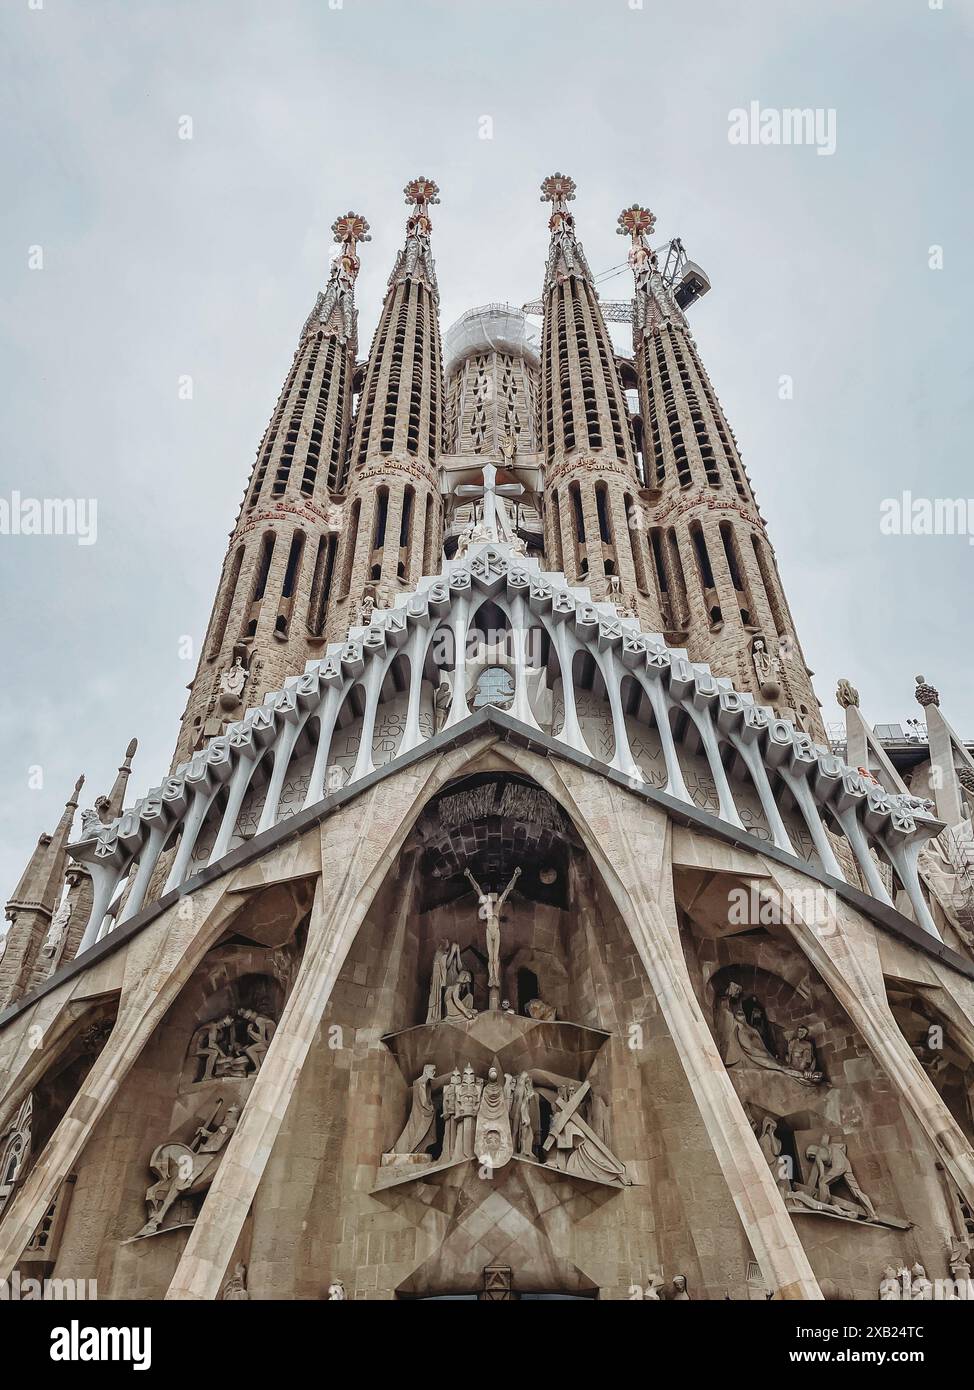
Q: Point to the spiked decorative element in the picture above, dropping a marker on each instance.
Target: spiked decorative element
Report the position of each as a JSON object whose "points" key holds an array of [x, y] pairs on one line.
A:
{"points": [[636, 222], [334, 312], [558, 189], [350, 228], [421, 192], [565, 256], [416, 260]]}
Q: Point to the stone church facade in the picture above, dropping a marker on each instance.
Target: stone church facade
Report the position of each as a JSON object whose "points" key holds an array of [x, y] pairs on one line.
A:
{"points": [[506, 925]]}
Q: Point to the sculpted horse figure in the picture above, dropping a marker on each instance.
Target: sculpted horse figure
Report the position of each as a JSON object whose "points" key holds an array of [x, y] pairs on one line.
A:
{"points": [[182, 1170]]}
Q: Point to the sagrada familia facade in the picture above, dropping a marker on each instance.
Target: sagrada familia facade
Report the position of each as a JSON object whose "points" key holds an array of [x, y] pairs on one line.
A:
{"points": [[506, 926]]}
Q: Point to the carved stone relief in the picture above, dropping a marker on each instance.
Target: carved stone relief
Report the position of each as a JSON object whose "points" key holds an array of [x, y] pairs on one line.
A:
{"points": [[231, 1046], [185, 1169]]}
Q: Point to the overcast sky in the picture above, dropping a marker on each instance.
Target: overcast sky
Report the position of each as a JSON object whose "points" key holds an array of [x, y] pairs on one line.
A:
{"points": [[166, 257]]}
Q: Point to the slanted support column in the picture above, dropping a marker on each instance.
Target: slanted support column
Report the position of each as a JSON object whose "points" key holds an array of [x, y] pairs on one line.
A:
{"points": [[846, 956], [632, 850], [331, 931], [458, 623], [522, 627], [161, 963], [651, 683], [565, 649], [328, 712], [105, 880], [946, 750], [359, 845], [415, 651]]}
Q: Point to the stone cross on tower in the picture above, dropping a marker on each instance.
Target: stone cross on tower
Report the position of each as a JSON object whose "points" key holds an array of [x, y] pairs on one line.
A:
{"points": [[490, 491]]}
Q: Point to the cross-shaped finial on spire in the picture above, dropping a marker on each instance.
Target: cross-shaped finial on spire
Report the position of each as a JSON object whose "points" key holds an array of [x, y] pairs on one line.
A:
{"points": [[558, 189], [349, 229], [637, 223], [421, 193]]}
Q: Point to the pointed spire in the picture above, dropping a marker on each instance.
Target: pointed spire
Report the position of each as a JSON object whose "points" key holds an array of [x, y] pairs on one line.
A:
{"points": [[565, 255], [334, 314], [653, 301], [415, 261], [40, 883], [116, 797]]}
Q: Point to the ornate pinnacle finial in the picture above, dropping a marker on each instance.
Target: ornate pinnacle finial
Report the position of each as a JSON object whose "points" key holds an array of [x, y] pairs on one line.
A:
{"points": [[926, 694], [652, 301], [558, 189], [349, 229], [636, 222], [846, 694], [131, 750], [421, 193], [334, 312], [416, 261], [77, 789], [565, 255]]}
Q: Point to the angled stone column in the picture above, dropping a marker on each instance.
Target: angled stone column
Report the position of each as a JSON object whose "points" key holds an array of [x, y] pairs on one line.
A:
{"points": [[159, 964], [630, 843], [946, 749], [359, 845], [845, 952]]}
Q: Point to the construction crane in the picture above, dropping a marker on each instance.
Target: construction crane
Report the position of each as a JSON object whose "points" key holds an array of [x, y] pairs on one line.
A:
{"points": [[684, 277]]}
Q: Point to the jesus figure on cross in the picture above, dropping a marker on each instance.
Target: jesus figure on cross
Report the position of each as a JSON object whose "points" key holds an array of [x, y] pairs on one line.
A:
{"points": [[490, 912]]}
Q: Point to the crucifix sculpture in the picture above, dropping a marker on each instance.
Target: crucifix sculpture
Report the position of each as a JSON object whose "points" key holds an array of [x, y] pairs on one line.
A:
{"points": [[490, 492], [490, 912]]}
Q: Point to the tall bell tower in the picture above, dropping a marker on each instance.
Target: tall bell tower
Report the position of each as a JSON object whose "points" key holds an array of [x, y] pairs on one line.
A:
{"points": [[275, 587], [392, 525], [591, 484], [705, 540]]}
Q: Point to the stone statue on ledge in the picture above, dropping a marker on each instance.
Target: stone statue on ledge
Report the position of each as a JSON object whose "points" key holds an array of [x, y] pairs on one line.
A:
{"points": [[447, 966], [450, 1092], [767, 668], [742, 1045], [544, 1013], [458, 1001], [420, 1131], [493, 1144], [234, 679], [830, 1165], [467, 1108], [232, 1046], [800, 1054], [572, 1145], [235, 1289], [771, 1147], [209, 1046], [442, 699], [525, 1116], [55, 934]]}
